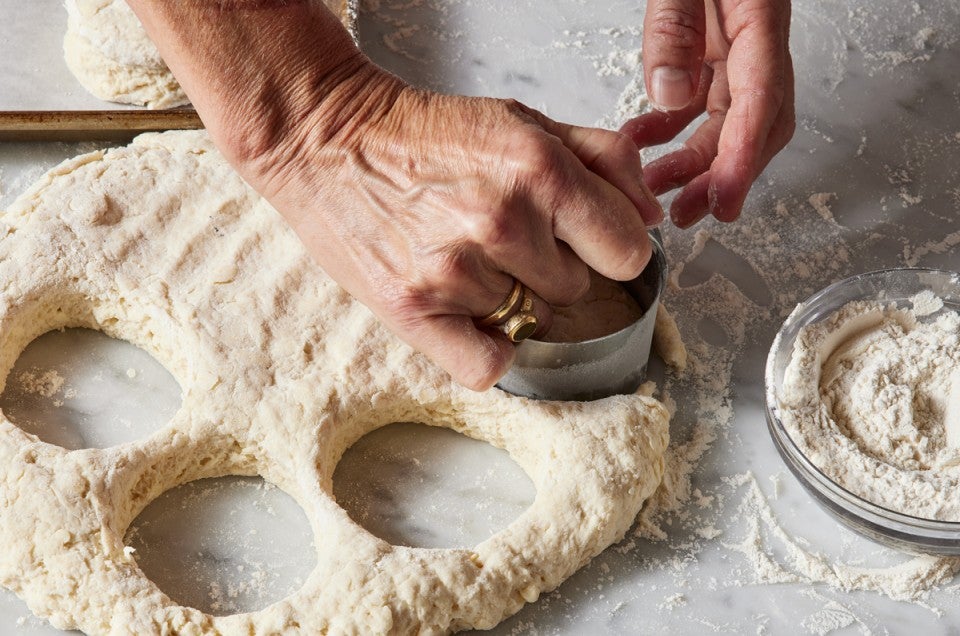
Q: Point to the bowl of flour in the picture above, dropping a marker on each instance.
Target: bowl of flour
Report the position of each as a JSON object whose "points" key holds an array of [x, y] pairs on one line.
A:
{"points": [[863, 404]]}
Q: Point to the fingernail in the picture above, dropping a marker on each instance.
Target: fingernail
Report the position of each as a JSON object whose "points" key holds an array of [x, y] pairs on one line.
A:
{"points": [[713, 203], [657, 216], [672, 88], [655, 220]]}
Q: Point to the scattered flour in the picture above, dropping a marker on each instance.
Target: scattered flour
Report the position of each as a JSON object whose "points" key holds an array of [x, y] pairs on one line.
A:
{"points": [[774, 556], [832, 616], [821, 203], [46, 384], [912, 256]]}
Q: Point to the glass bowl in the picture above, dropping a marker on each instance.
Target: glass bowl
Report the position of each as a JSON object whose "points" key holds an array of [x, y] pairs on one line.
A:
{"points": [[888, 527]]}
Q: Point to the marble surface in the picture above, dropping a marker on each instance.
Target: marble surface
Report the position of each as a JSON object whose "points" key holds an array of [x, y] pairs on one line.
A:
{"points": [[871, 180]]}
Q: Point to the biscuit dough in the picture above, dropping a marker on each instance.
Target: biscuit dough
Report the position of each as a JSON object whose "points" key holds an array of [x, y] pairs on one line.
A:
{"points": [[161, 244], [109, 52], [605, 309]]}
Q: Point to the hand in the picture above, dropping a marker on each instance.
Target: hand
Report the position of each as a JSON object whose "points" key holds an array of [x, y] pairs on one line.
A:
{"points": [[423, 206], [428, 204], [731, 59]]}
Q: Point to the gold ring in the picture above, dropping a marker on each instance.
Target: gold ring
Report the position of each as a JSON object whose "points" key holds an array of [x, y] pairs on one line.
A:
{"points": [[522, 324], [506, 308]]}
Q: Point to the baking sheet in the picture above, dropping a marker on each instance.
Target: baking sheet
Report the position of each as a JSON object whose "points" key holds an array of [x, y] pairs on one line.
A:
{"points": [[33, 74]]}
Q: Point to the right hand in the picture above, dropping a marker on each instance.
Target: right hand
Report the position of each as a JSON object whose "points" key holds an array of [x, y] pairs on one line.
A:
{"points": [[423, 206]]}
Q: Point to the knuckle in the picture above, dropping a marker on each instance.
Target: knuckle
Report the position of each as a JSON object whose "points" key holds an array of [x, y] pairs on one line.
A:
{"points": [[539, 165], [537, 152], [682, 28], [494, 227], [632, 260], [405, 302], [623, 148], [451, 268], [572, 288]]}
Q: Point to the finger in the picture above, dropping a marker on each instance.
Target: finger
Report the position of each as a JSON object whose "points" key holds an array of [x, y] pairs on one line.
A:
{"points": [[474, 358], [545, 265], [780, 135], [658, 127], [700, 150], [600, 224], [674, 43], [443, 325], [757, 66], [691, 204], [539, 308], [614, 158], [678, 168], [513, 239], [465, 283]]}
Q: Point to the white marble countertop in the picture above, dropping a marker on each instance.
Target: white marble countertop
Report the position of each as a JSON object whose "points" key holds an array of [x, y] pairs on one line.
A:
{"points": [[871, 180]]}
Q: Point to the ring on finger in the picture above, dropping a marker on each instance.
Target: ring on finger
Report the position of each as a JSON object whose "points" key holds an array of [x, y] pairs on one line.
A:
{"points": [[522, 324], [507, 308]]}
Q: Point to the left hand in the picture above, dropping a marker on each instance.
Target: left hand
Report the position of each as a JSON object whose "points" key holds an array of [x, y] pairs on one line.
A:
{"points": [[730, 59]]}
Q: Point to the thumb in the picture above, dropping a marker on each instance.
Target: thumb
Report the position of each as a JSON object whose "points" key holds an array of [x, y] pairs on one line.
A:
{"points": [[674, 43]]}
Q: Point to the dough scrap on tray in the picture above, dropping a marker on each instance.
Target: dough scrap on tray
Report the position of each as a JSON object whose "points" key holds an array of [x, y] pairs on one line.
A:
{"points": [[160, 243], [109, 53]]}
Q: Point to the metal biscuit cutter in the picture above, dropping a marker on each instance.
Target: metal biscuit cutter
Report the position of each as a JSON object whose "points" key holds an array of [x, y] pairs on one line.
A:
{"points": [[597, 368]]}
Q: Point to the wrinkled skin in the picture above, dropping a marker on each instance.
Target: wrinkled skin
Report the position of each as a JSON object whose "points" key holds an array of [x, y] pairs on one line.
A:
{"points": [[442, 199]]}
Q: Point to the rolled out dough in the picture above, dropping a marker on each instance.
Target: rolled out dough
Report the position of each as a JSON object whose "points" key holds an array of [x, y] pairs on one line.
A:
{"points": [[109, 52], [160, 243]]}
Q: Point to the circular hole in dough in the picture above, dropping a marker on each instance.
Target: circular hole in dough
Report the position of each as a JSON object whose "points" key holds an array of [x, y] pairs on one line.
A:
{"points": [[428, 487], [80, 388], [712, 332], [224, 545]]}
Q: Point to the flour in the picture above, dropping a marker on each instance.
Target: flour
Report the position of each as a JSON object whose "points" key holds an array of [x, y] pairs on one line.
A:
{"points": [[867, 397], [773, 556], [46, 383], [821, 203]]}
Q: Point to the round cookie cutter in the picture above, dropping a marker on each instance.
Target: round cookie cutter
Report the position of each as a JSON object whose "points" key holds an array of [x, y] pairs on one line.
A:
{"points": [[592, 369]]}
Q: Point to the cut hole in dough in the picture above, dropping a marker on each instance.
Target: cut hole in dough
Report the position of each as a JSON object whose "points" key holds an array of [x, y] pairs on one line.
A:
{"points": [[427, 487], [737, 269], [257, 401], [712, 332], [80, 388], [224, 545]]}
